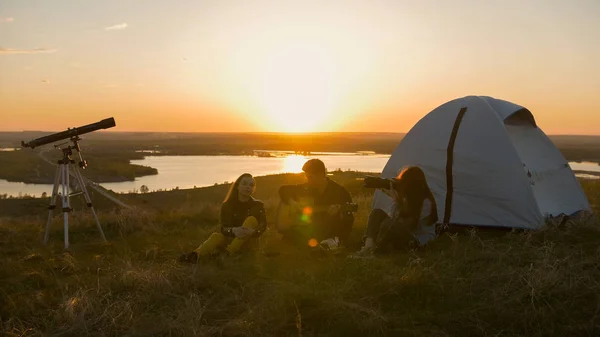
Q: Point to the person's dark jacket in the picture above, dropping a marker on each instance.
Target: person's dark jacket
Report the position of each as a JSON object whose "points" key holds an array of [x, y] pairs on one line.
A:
{"points": [[334, 194], [234, 213]]}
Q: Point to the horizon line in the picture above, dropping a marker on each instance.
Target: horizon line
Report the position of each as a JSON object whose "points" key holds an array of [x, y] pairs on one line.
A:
{"points": [[273, 132]]}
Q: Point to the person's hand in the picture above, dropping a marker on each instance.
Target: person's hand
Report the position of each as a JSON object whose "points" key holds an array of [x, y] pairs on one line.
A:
{"points": [[334, 209], [242, 232]]}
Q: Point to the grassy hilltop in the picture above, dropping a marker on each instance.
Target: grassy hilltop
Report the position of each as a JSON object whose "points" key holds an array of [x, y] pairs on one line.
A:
{"points": [[543, 283]]}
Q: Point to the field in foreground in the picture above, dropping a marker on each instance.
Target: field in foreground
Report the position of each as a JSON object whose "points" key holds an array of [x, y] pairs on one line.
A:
{"points": [[543, 283]]}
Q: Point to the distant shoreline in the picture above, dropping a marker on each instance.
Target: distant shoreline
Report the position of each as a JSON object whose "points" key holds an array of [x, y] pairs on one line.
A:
{"points": [[109, 154], [125, 132], [102, 177]]}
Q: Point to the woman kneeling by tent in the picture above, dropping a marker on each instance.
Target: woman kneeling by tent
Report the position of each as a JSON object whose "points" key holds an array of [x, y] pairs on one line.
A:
{"points": [[413, 215], [242, 219]]}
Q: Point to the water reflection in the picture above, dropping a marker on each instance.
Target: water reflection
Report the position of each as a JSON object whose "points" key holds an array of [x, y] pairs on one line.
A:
{"points": [[585, 166], [191, 171], [293, 163]]}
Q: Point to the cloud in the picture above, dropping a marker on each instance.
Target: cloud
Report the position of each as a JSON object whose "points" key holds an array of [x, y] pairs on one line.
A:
{"points": [[26, 51], [116, 27], [7, 19]]}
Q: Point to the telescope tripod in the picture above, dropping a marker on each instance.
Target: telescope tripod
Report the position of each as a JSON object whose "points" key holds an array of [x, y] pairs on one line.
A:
{"points": [[62, 178]]}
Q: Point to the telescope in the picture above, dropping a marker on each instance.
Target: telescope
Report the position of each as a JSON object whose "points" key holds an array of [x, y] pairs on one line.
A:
{"points": [[377, 182], [61, 179], [70, 133]]}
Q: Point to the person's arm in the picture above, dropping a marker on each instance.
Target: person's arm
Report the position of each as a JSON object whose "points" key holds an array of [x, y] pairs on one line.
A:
{"points": [[261, 216], [412, 221], [346, 198], [388, 191], [346, 218], [382, 184], [226, 219]]}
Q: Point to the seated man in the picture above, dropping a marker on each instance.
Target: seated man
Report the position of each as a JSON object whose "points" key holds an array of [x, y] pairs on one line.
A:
{"points": [[316, 212]]}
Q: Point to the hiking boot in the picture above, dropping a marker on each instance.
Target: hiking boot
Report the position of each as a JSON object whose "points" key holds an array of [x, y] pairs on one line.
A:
{"points": [[189, 258], [331, 245], [363, 253]]}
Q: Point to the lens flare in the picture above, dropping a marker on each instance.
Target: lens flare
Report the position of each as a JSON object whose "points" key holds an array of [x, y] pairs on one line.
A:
{"points": [[312, 243], [306, 213]]}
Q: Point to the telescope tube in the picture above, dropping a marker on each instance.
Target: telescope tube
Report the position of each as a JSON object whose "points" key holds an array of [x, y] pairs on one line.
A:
{"points": [[103, 124]]}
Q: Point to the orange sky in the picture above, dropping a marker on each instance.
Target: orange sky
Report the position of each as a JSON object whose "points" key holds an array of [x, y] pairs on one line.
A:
{"points": [[283, 66]]}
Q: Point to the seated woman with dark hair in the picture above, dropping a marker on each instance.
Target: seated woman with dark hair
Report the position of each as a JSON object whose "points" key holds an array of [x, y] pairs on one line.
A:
{"points": [[242, 219], [413, 216]]}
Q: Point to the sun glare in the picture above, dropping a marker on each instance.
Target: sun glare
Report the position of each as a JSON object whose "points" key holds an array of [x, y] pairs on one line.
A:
{"points": [[293, 163], [297, 89]]}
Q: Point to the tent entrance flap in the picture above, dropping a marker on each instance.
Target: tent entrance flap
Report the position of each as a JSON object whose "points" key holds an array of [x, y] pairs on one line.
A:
{"points": [[521, 117]]}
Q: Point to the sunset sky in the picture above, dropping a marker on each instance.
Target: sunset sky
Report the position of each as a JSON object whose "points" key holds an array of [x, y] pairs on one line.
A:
{"points": [[271, 66]]}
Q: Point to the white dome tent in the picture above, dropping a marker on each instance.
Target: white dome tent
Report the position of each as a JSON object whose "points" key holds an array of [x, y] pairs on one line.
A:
{"points": [[487, 164]]}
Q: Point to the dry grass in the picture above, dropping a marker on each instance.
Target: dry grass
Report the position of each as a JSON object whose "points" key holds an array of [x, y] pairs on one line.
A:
{"points": [[543, 283]]}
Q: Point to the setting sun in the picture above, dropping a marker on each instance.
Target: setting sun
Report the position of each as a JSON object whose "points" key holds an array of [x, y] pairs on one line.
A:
{"points": [[296, 88]]}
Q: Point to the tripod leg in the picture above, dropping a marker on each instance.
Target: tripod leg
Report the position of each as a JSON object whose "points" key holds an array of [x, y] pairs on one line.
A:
{"points": [[65, 200], [88, 200], [52, 205]]}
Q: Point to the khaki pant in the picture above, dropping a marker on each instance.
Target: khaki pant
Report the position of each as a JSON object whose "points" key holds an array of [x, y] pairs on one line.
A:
{"points": [[216, 241]]}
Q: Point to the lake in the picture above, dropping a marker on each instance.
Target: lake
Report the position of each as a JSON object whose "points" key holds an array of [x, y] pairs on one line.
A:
{"points": [[189, 171]]}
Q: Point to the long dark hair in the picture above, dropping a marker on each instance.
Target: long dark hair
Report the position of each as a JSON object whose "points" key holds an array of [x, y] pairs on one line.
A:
{"points": [[412, 184], [234, 187]]}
